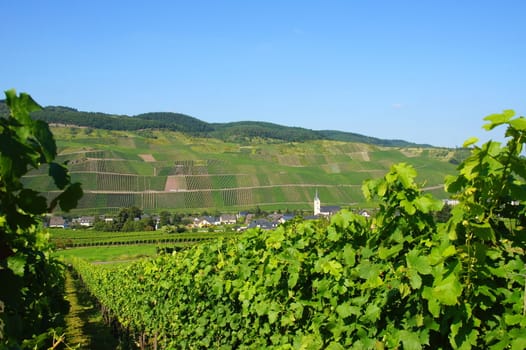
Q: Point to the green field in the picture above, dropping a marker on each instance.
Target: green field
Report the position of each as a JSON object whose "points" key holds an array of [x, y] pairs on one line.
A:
{"points": [[97, 246], [173, 171], [65, 238], [109, 254]]}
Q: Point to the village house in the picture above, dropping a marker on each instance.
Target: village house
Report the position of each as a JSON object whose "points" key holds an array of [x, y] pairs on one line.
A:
{"points": [[263, 224], [57, 222], [206, 221], [228, 219], [84, 221], [286, 217], [365, 213]]}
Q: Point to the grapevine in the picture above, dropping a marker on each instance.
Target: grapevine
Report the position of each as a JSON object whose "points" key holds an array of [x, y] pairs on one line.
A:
{"points": [[397, 280]]}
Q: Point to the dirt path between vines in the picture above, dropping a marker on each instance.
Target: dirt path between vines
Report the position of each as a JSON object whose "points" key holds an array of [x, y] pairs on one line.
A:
{"points": [[84, 323]]}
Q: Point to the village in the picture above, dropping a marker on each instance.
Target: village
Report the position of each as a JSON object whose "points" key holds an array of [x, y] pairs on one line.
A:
{"points": [[239, 221]]}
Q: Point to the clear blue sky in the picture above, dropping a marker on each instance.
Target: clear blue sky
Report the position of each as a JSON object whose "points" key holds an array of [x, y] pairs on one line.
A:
{"points": [[423, 71]]}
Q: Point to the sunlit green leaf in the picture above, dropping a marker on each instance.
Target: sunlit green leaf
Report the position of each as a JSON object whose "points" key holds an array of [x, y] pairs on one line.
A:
{"points": [[519, 123], [272, 316], [408, 207], [335, 346], [349, 255], [448, 290], [293, 279], [17, 264], [372, 313], [470, 141], [410, 340], [344, 310], [406, 173], [418, 262], [498, 119], [414, 279], [449, 251], [513, 319], [21, 106], [386, 253], [427, 204]]}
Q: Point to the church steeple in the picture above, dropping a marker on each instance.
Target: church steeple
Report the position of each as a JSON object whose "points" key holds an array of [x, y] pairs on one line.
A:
{"points": [[317, 204]]}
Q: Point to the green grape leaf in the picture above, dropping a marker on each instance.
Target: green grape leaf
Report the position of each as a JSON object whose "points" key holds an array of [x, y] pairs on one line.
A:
{"points": [[21, 106], [349, 255], [408, 207], [519, 339], [483, 231], [48, 147], [60, 175], [335, 346], [470, 141], [448, 290], [345, 310], [410, 340], [519, 123], [498, 119], [293, 279], [414, 279], [32, 202], [418, 262], [17, 264], [427, 204], [68, 199], [405, 173], [372, 313], [385, 253], [272, 316]]}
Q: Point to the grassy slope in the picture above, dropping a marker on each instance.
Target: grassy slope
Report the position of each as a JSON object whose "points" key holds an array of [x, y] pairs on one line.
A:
{"points": [[227, 176]]}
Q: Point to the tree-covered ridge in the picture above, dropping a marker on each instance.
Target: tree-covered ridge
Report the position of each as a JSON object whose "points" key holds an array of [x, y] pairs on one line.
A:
{"points": [[176, 122], [169, 121], [353, 137], [235, 131]]}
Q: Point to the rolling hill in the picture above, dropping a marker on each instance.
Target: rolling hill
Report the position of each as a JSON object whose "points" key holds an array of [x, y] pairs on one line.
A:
{"points": [[234, 132], [158, 169]]}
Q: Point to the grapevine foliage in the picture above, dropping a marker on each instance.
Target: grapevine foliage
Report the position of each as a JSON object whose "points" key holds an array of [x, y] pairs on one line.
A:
{"points": [[397, 280], [31, 292]]}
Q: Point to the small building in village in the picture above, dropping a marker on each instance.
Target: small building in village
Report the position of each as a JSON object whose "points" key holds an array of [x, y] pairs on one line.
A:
{"points": [[57, 222]]}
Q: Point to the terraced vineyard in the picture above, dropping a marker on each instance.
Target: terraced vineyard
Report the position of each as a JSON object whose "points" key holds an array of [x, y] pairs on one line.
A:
{"points": [[170, 170]]}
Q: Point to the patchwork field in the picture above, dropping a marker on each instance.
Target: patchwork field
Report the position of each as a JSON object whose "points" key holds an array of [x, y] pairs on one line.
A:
{"points": [[169, 170]]}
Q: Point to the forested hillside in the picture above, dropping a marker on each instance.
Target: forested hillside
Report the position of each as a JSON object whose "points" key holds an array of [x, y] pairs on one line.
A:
{"points": [[235, 131]]}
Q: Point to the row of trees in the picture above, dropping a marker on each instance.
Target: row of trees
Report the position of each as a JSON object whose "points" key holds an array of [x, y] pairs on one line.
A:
{"points": [[128, 220]]}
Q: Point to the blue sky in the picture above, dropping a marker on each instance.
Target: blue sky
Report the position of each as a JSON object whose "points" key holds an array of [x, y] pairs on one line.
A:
{"points": [[423, 71]]}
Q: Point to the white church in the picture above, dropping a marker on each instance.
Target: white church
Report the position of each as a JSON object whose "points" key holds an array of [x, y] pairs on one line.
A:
{"points": [[323, 210]]}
